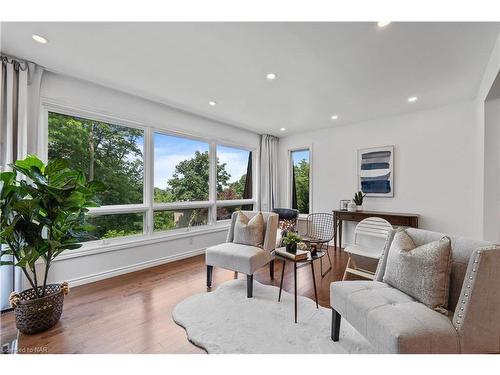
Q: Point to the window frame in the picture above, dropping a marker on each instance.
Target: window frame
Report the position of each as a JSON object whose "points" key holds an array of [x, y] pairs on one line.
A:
{"points": [[290, 174], [148, 206]]}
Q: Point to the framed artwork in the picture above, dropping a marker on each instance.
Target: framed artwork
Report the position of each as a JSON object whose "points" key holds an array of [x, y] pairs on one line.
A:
{"points": [[376, 171]]}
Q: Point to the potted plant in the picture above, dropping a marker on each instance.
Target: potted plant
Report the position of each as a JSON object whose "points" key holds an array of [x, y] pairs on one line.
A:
{"points": [[358, 200], [42, 214], [291, 239]]}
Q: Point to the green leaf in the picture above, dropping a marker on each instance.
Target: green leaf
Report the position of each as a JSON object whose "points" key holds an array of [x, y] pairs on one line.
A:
{"points": [[56, 166], [29, 162]]}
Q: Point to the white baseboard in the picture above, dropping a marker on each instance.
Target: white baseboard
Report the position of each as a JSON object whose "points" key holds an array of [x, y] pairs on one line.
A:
{"points": [[131, 268]]}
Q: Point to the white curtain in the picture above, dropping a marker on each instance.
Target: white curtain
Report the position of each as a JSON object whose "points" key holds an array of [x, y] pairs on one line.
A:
{"points": [[268, 172], [19, 119]]}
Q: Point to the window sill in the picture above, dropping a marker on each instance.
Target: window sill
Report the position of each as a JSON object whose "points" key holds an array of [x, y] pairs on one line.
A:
{"points": [[104, 246]]}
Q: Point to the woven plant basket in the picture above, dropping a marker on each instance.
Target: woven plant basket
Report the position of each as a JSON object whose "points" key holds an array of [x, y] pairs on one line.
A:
{"points": [[38, 314]]}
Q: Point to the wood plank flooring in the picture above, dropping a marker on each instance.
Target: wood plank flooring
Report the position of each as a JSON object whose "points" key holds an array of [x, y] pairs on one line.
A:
{"points": [[132, 313]]}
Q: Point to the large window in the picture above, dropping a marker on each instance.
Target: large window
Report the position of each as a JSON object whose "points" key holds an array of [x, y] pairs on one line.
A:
{"points": [[234, 181], [109, 153], [156, 182], [182, 169], [301, 180]]}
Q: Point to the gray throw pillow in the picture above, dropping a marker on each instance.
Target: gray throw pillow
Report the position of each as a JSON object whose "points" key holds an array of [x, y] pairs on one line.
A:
{"points": [[249, 231], [422, 272]]}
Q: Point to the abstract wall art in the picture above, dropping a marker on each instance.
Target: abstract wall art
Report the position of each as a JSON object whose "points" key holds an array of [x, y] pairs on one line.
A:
{"points": [[375, 171]]}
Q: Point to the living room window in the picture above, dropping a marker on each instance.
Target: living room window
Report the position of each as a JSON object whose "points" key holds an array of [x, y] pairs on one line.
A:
{"points": [[157, 182], [234, 181], [109, 153], [300, 191]]}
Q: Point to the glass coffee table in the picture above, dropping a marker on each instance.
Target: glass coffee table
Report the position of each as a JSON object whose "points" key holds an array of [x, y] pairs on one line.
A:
{"points": [[311, 257]]}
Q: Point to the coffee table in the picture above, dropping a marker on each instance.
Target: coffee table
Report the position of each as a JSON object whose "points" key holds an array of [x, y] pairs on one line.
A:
{"points": [[311, 257]]}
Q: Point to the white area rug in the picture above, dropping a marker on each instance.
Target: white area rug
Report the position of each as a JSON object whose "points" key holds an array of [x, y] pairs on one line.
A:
{"points": [[225, 321]]}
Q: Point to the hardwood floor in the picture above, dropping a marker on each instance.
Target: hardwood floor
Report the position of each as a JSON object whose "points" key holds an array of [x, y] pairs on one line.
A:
{"points": [[132, 313]]}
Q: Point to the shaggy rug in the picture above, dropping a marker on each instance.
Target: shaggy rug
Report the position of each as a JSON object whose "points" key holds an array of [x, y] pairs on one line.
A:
{"points": [[225, 321]]}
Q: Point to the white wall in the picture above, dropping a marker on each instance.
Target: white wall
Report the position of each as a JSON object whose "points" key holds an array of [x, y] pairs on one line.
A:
{"points": [[116, 259], [434, 166], [492, 171]]}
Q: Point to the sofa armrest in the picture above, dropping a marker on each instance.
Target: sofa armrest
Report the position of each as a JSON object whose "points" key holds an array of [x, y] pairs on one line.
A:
{"points": [[477, 314]]}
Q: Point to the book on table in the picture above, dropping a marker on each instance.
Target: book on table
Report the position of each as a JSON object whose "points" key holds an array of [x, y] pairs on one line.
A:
{"points": [[298, 255]]}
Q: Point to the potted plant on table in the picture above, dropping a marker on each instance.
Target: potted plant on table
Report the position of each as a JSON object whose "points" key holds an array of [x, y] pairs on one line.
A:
{"points": [[42, 214], [358, 200], [291, 239]]}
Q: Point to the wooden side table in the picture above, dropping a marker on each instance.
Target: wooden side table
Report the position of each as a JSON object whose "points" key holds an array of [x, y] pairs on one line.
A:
{"points": [[296, 265], [395, 218]]}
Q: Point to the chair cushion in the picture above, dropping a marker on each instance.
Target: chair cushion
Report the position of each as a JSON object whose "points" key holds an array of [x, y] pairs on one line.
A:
{"points": [[237, 257], [249, 231], [363, 251], [422, 272], [392, 321]]}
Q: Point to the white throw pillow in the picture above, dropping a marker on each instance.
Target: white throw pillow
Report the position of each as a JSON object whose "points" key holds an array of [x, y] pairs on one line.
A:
{"points": [[249, 231]]}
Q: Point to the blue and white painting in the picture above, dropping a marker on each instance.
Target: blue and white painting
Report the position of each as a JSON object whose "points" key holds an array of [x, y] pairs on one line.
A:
{"points": [[375, 171]]}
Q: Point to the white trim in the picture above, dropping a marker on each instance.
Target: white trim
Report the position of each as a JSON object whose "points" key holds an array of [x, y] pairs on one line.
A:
{"points": [[117, 209], [104, 246], [131, 268], [181, 205], [235, 202]]}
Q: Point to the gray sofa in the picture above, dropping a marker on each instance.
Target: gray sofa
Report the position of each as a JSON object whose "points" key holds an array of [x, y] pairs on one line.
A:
{"points": [[394, 322]]}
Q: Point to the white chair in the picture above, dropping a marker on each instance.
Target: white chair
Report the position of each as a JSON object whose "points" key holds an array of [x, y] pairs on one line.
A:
{"points": [[244, 258], [369, 239]]}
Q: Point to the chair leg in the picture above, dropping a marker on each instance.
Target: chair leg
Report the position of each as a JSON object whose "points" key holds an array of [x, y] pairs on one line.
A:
{"points": [[346, 268], [249, 286], [235, 275], [335, 325], [210, 270], [271, 269]]}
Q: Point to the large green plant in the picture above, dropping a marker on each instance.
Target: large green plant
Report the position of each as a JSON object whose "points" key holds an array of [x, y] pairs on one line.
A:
{"points": [[43, 214]]}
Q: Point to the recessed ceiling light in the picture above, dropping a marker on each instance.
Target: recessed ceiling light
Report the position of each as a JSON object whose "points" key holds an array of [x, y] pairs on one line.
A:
{"points": [[282, 129], [212, 103], [383, 23], [271, 76], [412, 99], [39, 39], [334, 117]]}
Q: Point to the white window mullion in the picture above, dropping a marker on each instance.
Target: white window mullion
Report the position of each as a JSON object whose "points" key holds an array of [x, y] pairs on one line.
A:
{"points": [[212, 180], [148, 180]]}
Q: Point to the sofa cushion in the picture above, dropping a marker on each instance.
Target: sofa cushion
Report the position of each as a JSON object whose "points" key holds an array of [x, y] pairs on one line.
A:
{"points": [[391, 320], [237, 257], [249, 231], [422, 272]]}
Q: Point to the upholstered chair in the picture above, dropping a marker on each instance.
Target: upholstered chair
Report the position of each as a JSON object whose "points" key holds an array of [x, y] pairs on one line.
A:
{"points": [[244, 258], [394, 322]]}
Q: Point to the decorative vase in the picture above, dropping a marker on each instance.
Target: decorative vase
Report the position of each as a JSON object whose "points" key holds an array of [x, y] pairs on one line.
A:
{"points": [[291, 247], [352, 207], [35, 314], [359, 207]]}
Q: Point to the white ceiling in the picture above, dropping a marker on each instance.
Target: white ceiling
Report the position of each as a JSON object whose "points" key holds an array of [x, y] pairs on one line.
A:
{"points": [[355, 70]]}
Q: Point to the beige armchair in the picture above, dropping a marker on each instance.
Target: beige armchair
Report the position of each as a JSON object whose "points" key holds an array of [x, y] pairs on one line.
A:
{"points": [[394, 322], [244, 258]]}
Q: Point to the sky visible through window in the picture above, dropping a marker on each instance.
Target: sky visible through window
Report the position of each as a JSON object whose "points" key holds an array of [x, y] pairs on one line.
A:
{"points": [[170, 150], [300, 155]]}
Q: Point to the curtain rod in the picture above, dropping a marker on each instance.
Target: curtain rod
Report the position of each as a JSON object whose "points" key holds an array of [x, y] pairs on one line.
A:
{"points": [[16, 62]]}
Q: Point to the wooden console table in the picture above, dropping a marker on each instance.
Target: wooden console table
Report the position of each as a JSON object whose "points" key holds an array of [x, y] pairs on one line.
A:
{"points": [[395, 218]]}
